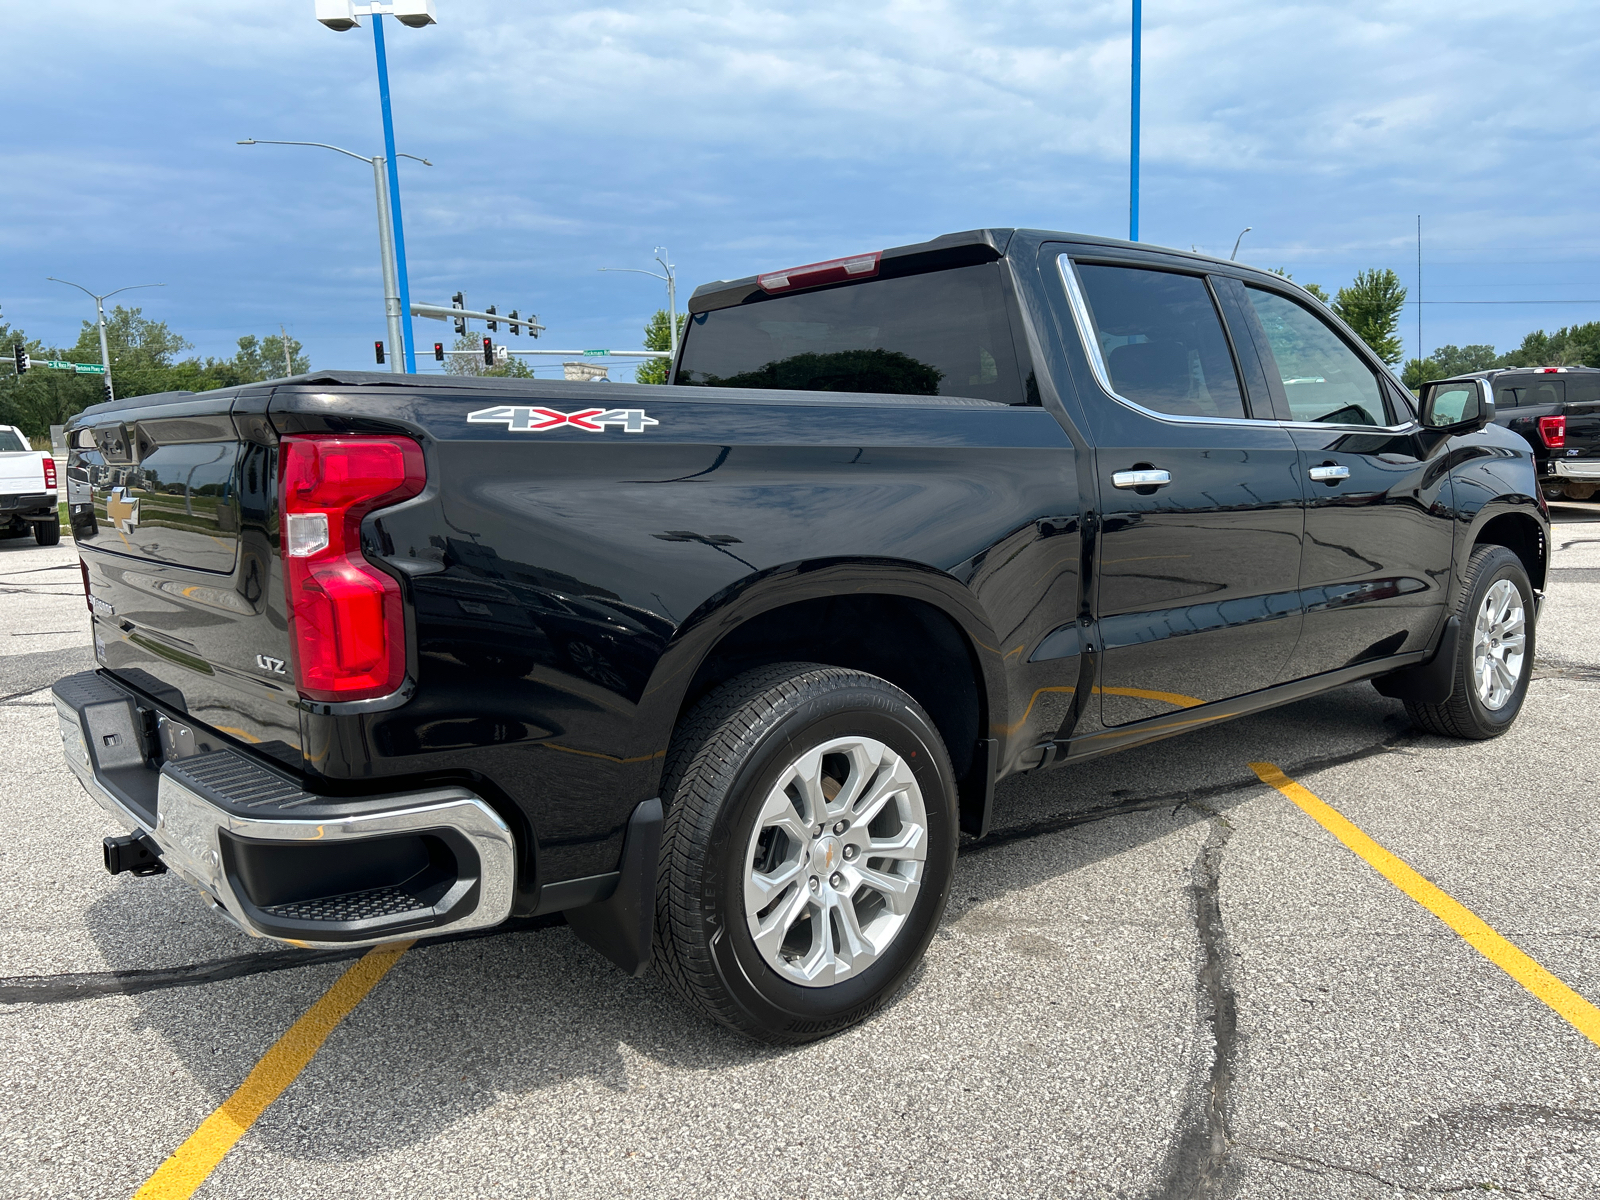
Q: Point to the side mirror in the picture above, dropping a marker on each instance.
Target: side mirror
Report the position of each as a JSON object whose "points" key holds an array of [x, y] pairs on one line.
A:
{"points": [[1457, 406]]}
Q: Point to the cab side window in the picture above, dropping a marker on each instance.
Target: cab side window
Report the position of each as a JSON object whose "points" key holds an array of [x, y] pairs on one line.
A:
{"points": [[1324, 380], [1162, 341]]}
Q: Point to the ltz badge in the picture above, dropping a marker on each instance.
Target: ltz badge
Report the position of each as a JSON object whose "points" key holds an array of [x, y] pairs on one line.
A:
{"points": [[525, 419]]}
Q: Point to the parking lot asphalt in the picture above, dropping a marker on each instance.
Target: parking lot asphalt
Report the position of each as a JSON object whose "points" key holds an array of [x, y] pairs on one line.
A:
{"points": [[1158, 978]]}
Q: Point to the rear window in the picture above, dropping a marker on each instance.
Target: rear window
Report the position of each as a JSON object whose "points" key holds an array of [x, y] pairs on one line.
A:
{"points": [[10, 443], [1527, 393], [945, 333]]}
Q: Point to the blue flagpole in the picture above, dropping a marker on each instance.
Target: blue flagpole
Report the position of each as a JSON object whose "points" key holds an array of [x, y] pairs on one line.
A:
{"points": [[1133, 140], [394, 196]]}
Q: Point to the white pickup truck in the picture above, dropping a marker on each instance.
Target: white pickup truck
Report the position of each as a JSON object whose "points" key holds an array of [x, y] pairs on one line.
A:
{"points": [[27, 489]]}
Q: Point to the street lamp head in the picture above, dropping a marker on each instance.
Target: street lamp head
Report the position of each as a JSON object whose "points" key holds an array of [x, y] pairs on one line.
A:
{"points": [[338, 15], [414, 14]]}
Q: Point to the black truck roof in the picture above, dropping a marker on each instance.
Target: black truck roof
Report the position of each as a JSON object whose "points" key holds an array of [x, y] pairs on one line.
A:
{"points": [[946, 250]]}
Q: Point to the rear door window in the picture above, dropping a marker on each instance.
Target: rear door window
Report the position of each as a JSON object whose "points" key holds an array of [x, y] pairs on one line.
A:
{"points": [[1324, 380], [1162, 341], [942, 333]]}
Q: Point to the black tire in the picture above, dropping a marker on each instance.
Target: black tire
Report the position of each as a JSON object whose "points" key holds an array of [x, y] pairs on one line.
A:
{"points": [[46, 533], [725, 759], [1465, 715]]}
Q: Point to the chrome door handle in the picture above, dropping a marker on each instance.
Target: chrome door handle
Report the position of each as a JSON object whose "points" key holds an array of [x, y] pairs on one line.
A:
{"points": [[1137, 479], [1329, 472]]}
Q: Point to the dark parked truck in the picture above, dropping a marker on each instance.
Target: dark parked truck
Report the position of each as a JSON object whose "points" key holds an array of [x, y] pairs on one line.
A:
{"points": [[724, 670], [1557, 412]]}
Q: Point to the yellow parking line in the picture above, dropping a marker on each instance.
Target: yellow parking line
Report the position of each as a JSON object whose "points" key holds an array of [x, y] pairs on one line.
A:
{"points": [[1477, 933], [192, 1162]]}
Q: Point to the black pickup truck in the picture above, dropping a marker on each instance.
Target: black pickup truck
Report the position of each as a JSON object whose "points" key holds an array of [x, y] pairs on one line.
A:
{"points": [[723, 670], [1557, 412]]}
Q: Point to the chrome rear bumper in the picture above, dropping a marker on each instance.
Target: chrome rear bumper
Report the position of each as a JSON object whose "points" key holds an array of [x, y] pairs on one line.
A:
{"points": [[1576, 468], [281, 862]]}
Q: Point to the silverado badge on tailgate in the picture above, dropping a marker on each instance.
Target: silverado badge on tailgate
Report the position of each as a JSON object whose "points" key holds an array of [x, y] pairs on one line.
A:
{"points": [[524, 419]]}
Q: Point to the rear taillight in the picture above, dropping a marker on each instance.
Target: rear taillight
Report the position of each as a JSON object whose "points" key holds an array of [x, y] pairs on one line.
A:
{"points": [[835, 270], [49, 474], [1554, 431], [83, 569], [347, 636]]}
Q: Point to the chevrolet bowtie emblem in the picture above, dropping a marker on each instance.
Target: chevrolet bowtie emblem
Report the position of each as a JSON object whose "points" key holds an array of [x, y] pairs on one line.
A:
{"points": [[121, 511]]}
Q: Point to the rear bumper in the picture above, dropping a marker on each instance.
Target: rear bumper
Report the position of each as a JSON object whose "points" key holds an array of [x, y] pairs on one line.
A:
{"points": [[278, 861], [1576, 468], [30, 506]]}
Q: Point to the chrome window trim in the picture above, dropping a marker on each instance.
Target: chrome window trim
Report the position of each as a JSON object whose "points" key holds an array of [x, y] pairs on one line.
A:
{"points": [[1079, 307]]}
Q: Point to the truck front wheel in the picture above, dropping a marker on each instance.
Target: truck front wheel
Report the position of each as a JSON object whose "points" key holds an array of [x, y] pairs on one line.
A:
{"points": [[1494, 654], [809, 845]]}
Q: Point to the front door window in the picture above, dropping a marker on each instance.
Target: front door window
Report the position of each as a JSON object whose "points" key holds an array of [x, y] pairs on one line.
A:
{"points": [[1324, 380]]}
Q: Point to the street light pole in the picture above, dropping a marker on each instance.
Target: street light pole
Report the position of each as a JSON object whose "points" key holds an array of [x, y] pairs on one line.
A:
{"points": [[339, 16], [671, 280], [100, 317], [1237, 240], [386, 249], [397, 234]]}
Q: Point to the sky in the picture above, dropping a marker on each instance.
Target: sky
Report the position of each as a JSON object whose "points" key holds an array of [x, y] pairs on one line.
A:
{"points": [[746, 136]]}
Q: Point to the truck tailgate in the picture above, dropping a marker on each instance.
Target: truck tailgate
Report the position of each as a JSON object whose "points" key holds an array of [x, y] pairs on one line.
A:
{"points": [[175, 516]]}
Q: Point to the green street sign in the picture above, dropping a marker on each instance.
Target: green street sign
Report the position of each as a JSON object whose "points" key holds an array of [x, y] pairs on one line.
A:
{"points": [[88, 368], [57, 365], [596, 353]]}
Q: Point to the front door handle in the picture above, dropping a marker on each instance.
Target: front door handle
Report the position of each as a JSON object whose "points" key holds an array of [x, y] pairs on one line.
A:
{"points": [[1329, 473], [1136, 479]]}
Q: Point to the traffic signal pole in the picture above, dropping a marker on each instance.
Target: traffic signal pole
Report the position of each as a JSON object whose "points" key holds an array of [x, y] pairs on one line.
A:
{"points": [[391, 289], [105, 355]]}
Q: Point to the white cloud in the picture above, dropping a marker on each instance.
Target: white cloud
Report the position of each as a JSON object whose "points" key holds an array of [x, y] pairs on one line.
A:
{"points": [[749, 134]]}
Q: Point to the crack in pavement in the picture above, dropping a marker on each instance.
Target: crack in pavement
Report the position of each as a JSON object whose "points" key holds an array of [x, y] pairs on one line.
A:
{"points": [[1198, 1157], [1546, 668], [88, 985]]}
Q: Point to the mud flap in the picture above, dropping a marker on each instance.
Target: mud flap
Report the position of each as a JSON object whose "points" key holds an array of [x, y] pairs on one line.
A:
{"points": [[977, 789], [1431, 682], [622, 926]]}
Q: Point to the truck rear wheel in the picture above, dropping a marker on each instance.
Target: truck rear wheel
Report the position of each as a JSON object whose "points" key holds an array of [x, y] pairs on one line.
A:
{"points": [[809, 844], [46, 533], [1494, 655]]}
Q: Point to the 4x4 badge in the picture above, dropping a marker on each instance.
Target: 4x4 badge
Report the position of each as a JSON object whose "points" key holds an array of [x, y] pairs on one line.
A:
{"points": [[525, 419]]}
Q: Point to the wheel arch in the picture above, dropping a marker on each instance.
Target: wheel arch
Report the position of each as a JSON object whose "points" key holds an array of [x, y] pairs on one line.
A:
{"points": [[910, 624], [1518, 531]]}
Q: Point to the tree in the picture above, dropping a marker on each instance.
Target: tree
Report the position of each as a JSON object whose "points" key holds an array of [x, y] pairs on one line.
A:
{"points": [[656, 337], [1449, 361], [144, 361], [473, 364], [1371, 306], [1569, 346]]}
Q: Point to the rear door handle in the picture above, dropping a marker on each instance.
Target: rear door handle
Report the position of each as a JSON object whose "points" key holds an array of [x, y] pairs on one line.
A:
{"points": [[1329, 472], [1137, 479]]}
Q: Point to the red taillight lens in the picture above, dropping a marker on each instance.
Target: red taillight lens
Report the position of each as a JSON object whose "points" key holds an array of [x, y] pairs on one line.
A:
{"points": [[347, 635], [835, 270], [1554, 432], [49, 474]]}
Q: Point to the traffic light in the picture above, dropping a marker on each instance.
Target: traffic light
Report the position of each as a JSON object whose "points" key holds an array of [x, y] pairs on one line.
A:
{"points": [[457, 301], [488, 352], [493, 325], [21, 356], [438, 352], [377, 349], [515, 328]]}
